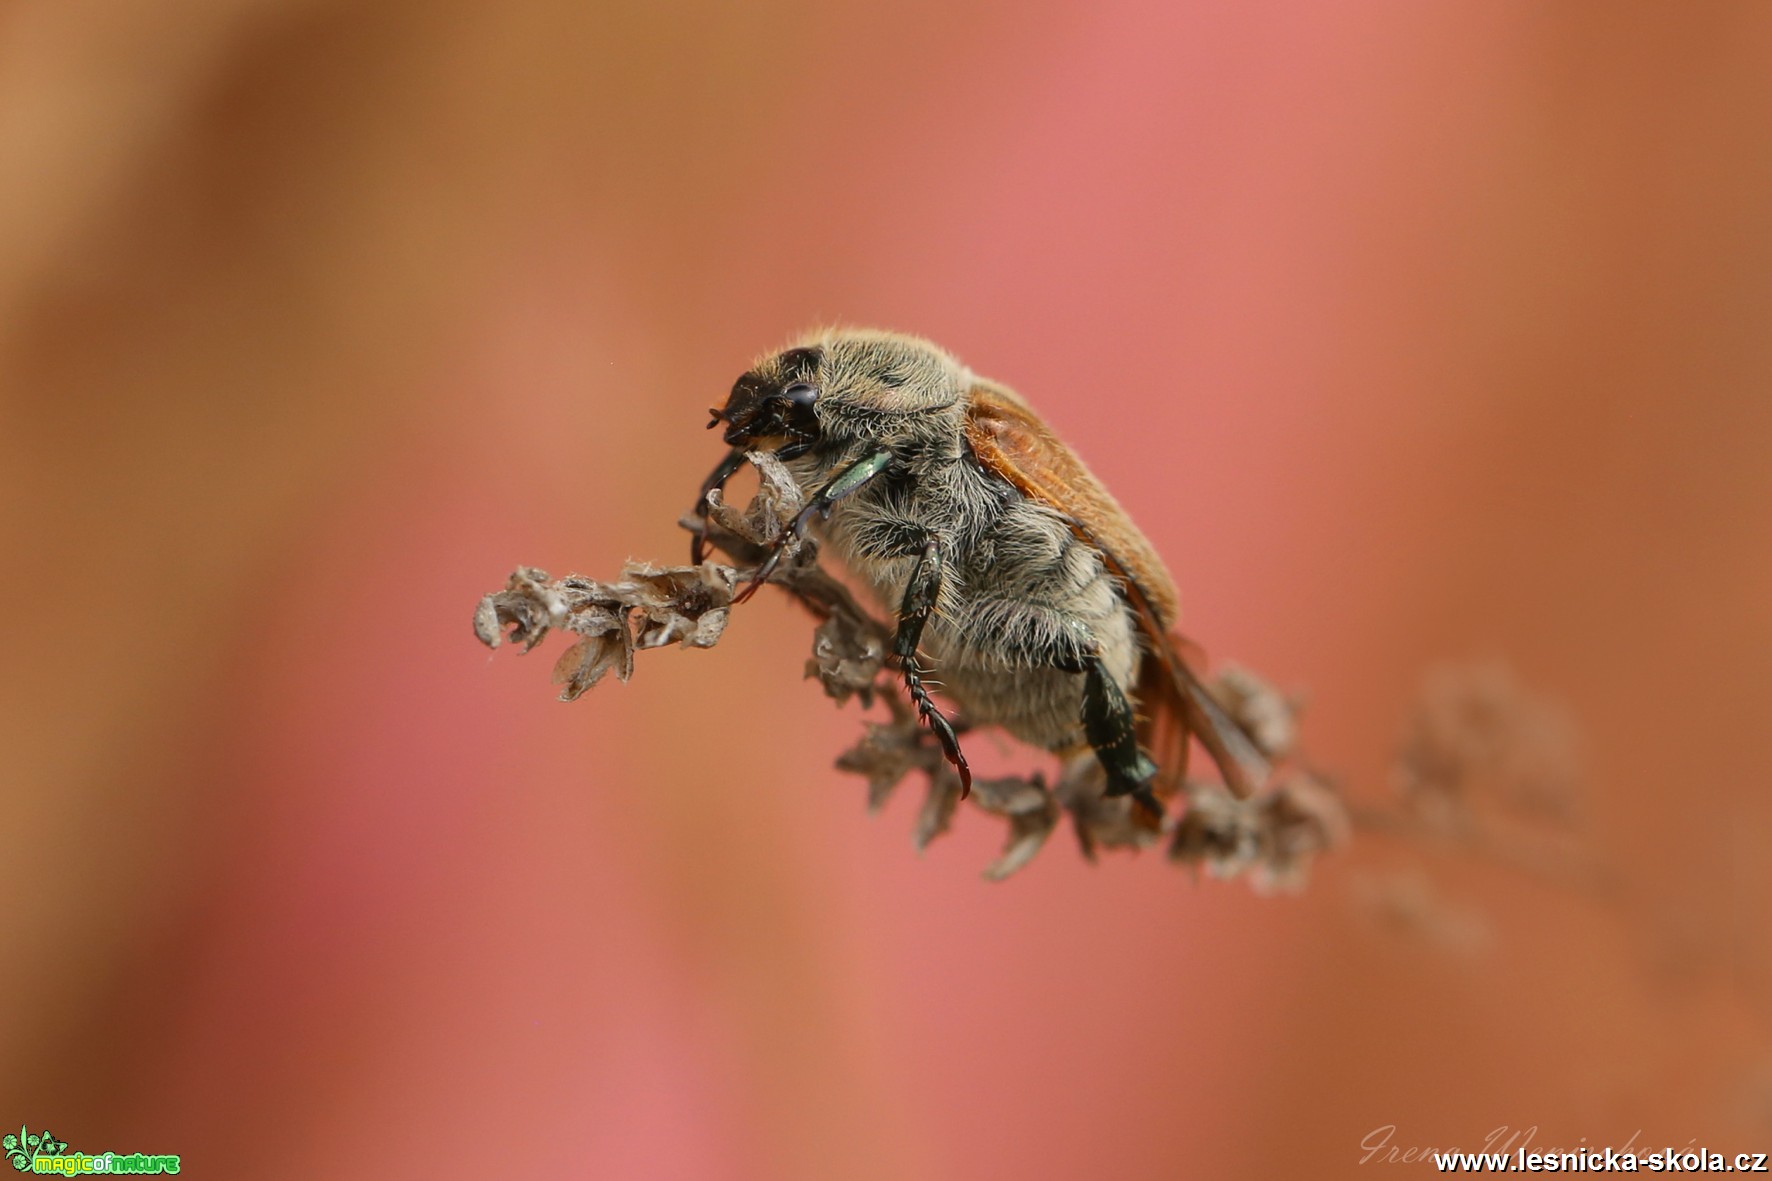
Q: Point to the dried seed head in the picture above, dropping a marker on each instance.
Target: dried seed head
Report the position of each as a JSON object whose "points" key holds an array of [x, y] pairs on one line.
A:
{"points": [[1477, 739], [885, 755], [1301, 818], [1218, 832], [1273, 836], [649, 607], [1269, 717], [1032, 812], [777, 501], [528, 606], [1099, 820], [937, 814], [848, 656]]}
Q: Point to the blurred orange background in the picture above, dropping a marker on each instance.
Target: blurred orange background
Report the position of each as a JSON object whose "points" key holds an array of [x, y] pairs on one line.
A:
{"points": [[1410, 333]]}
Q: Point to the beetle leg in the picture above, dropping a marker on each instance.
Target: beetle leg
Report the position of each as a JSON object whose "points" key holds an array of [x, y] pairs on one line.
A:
{"points": [[842, 484], [1111, 728], [716, 479], [920, 596]]}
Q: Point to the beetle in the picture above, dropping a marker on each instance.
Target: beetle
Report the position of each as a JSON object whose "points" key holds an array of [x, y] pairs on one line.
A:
{"points": [[1007, 566]]}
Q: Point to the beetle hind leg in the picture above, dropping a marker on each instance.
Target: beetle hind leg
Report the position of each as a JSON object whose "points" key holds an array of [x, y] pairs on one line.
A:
{"points": [[1111, 728]]}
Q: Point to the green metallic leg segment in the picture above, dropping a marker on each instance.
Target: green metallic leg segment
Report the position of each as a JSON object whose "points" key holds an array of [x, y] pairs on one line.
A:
{"points": [[849, 480], [920, 597]]}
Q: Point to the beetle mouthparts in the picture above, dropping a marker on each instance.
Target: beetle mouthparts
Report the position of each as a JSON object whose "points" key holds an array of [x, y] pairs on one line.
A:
{"points": [[715, 417]]}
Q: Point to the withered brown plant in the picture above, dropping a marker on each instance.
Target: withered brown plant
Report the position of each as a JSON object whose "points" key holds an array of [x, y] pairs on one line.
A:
{"points": [[1270, 837]]}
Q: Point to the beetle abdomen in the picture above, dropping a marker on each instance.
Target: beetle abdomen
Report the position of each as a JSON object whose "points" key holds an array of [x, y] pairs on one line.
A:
{"points": [[1022, 603]]}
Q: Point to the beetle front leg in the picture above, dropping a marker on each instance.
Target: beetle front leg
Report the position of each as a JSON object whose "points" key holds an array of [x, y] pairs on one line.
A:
{"points": [[716, 479], [920, 597], [845, 482]]}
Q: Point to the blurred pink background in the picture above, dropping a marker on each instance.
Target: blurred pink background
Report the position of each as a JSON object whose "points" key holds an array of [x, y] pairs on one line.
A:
{"points": [[1410, 333]]}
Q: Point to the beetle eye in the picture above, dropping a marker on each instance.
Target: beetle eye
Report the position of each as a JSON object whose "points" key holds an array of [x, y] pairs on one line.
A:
{"points": [[800, 394]]}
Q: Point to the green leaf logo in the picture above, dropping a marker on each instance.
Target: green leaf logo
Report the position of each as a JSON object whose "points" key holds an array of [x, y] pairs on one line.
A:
{"points": [[26, 1147]]}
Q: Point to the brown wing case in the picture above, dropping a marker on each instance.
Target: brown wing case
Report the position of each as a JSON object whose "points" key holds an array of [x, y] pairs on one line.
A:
{"points": [[1010, 440]]}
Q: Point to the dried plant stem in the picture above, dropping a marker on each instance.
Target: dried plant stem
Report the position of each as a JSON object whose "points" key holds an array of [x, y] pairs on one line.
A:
{"points": [[1473, 741]]}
